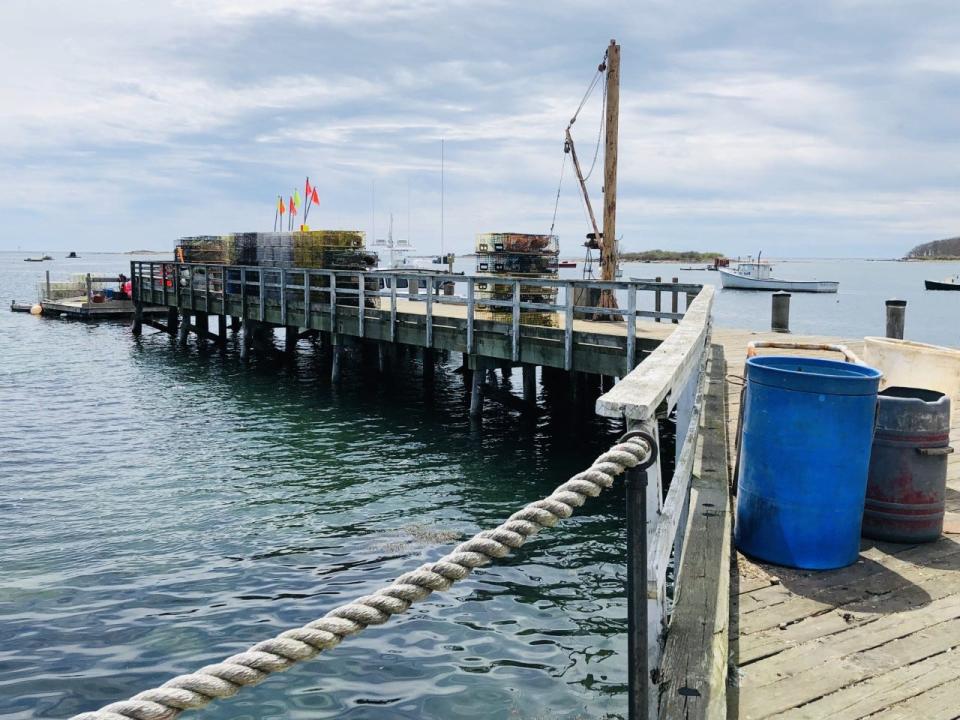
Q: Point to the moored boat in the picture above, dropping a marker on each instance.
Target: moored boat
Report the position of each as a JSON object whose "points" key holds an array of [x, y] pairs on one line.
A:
{"points": [[948, 284], [757, 275]]}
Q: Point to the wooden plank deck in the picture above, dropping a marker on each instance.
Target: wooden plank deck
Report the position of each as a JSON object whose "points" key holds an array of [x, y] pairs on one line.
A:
{"points": [[878, 639], [80, 307]]}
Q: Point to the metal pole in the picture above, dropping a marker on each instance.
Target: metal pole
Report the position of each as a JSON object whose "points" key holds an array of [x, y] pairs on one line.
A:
{"points": [[637, 666], [896, 318]]}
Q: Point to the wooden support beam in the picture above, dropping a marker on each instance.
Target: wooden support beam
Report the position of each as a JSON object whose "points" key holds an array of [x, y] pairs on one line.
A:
{"points": [[476, 393], [246, 338], [291, 335], [337, 346], [173, 320], [530, 384], [184, 328], [608, 258]]}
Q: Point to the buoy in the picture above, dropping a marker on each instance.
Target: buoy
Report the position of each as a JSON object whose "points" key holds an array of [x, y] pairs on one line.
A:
{"points": [[36, 309]]}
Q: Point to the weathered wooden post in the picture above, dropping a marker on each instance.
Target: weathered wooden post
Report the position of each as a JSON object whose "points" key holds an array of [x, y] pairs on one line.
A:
{"points": [[222, 329], [89, 289], [428, 363], [291, 335], [201, 326], [476, 392], [530, 384], [656, 298], [780, 312], [382, 357], [637, 620], [184, 329], [674, 300], [234, 323], [173, 321], [337, 348], [48, 285], [137, 292], [896, 318], [246, 338]]}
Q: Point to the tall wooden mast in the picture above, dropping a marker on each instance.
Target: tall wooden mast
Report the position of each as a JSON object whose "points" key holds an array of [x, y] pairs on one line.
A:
{"points": [[608, 259]]}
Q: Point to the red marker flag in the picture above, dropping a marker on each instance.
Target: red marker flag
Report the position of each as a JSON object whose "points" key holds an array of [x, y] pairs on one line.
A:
{"points": [[314, 198], [293, 207], [307, 188]]}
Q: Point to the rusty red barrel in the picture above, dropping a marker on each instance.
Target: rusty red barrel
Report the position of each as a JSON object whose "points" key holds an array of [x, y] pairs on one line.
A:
{"points": [[908, 466]]}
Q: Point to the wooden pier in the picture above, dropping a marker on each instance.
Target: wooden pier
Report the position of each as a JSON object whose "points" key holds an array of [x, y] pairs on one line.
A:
{"points": [[748, 640], [877, 639], [342, 307]]}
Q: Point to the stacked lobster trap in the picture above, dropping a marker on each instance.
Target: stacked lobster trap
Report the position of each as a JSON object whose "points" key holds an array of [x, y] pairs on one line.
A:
{"points": [[517, 255], [274, 251]]}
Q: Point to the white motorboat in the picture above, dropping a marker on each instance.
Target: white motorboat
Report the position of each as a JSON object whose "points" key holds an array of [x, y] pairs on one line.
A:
{"points": [[757, 275]]}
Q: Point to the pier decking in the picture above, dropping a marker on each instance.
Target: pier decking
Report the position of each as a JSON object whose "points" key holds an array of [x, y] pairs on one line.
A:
{"points": [[877, 639]]}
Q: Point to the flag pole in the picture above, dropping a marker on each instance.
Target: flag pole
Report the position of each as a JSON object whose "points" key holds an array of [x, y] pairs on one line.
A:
{"points": [[276, 213], [306, 194]]}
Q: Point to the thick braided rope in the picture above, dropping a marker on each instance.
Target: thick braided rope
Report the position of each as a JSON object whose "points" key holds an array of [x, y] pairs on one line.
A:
{"points": [[225, 679]]}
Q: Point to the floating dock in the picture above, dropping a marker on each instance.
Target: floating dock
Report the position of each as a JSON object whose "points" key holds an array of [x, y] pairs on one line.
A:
{"points": [[83, 308]]}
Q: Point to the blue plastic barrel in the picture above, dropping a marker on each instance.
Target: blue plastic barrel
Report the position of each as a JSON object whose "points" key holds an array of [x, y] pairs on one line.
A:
{"points": [[805, 455]]}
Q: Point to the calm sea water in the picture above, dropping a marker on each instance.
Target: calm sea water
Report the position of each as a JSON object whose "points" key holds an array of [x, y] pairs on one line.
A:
{"points": [[161, 508]]}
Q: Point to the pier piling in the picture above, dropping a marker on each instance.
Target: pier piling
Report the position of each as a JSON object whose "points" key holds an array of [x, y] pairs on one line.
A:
{"points": [[173, 321], [337, 348], [530, 384], [201, 322], [290, 338], [674, 301], [780, 312], [222, 329], [246, 339], [184, 329], [896, 318], [476, 393]]}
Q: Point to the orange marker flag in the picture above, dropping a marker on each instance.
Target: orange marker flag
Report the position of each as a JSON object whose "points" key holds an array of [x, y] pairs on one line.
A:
{"points": [[282, 208], [293, 207]]}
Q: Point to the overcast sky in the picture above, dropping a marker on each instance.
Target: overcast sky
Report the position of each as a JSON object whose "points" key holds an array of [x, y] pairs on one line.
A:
{"points": [[799, 128]]}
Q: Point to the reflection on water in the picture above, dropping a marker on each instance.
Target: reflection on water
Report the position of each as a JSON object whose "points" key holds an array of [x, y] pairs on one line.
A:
{"points": [[162, 508]]}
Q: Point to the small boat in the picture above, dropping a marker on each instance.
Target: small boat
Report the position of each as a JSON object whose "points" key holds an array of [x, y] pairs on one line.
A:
{"points": [[39, 259], [948, 284], [690, 267], [72, 255], [47, 257], [567, 264], [750, 275], [20, 307]]}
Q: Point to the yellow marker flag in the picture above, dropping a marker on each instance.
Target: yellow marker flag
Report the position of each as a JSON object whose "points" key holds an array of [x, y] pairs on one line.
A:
{"points": [[296, 198]]}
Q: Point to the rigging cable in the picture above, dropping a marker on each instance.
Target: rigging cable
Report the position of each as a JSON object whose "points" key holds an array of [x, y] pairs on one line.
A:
{"points": [[603, 123], [556, 204]]}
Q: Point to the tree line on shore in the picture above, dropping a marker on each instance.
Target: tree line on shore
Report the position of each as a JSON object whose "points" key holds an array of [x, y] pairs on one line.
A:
{"points": [[948, 249]]}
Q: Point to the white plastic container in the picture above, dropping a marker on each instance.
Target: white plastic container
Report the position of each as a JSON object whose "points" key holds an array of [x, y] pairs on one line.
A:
{"points": [[911, 364]]}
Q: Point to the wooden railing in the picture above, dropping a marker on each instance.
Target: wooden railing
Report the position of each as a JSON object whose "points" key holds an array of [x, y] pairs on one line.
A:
{"points": [[668, 383], [263, 292]]}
